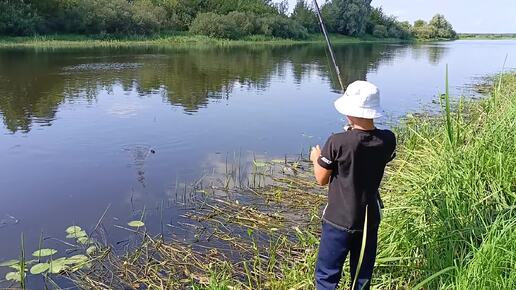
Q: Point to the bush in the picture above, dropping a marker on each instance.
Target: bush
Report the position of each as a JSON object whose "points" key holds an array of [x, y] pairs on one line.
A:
{"points": [[282, 27], [246, 23], [214, 25], [305, 16], [146, 17], [380, 31], [18, 18]]}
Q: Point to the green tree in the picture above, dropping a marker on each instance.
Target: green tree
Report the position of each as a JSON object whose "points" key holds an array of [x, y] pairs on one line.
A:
{"points": [[18, 17], [305, 16], [442, 27], [348, 17], [419, 23]]}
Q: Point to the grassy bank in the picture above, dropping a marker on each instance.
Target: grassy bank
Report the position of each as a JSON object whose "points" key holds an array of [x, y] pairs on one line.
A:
{"points": [[449, 223], [77, 41], [487, 36]]}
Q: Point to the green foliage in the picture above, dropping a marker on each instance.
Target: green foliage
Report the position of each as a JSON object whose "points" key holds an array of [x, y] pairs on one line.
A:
{"points": [[304, 15], [347, 17], [380, 31], [215, 25], [208, 17], [18, 18], [437, 28], [282, 27], [238, 24], [381, 25]]}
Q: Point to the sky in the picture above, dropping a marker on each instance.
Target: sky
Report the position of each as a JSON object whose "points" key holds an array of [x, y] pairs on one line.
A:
{"points": [[480, 16]]}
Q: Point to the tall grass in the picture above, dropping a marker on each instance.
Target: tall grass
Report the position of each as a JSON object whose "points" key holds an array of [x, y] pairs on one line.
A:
{"points": [[449, 211]]}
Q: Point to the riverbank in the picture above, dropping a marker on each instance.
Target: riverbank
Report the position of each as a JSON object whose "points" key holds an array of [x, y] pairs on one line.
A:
{"points": [[77, 41], [487, 36], [449, 223]]}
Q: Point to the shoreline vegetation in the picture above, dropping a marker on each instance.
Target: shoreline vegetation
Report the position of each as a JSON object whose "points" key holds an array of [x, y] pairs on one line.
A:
{"points": [[187, 39], [449, 222], [183, 39], [237, 20], [487, 36]]}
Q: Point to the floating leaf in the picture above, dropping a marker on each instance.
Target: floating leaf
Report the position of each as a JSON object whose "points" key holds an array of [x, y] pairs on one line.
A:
{"points": [[80, 262], [136, 224], [91, 250], [39, 268], [56, 267], [259, 163], [73, 229], [44, 253], [13, 276], [77, 259], [9, 263], [84, 240], [78, 234]]}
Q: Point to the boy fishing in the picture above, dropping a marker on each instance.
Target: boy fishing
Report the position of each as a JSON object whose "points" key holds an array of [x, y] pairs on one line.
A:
{"points": [[352, 163]]}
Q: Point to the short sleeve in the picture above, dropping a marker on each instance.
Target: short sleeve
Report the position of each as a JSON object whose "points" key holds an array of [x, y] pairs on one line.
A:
{"points": [[327, 159], [392, 154]]}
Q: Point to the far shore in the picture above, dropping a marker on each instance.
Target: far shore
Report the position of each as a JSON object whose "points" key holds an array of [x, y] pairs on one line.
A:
{"points": [[81, 41]]}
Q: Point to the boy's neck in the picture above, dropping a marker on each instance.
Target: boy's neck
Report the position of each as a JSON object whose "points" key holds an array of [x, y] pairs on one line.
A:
{"points": [[364, 125]]}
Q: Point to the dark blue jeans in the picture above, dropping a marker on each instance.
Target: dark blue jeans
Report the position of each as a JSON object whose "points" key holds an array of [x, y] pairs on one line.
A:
{"points": [[333, 249]]}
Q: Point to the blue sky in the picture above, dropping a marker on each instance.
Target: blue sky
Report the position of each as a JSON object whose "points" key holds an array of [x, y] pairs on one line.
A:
{"points": [[497, 16]]}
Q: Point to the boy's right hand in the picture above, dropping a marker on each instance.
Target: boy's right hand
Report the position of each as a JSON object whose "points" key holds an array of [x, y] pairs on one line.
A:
{"points": [[315, 153]]}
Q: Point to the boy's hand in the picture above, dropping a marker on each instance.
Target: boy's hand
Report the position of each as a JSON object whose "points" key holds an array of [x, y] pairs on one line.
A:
{"points": [[315, 153]]}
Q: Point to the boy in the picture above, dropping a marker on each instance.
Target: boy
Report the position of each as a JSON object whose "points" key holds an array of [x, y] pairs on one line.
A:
{"points": [[353, 164]]}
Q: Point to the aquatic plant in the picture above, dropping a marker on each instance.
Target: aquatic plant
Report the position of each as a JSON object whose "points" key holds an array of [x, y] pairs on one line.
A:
{"points": [[45, 262]]}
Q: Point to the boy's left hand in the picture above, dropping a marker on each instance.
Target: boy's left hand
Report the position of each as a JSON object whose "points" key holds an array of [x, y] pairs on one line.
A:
{"points": [[315, 153]]}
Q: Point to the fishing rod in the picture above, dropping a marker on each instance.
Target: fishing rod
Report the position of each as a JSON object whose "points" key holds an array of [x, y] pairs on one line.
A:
{"points": [[328, 43]]}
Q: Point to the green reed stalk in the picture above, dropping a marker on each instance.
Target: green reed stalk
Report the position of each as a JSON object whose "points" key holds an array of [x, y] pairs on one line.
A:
{"points": [[22, 262], [449, 126]]}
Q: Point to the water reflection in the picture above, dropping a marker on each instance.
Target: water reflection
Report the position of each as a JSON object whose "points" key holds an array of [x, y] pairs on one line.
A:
{"points": [[34, 84]]}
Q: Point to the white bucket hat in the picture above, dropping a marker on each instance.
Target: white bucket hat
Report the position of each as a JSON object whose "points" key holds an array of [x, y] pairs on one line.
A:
{"points": [[361, 100]]}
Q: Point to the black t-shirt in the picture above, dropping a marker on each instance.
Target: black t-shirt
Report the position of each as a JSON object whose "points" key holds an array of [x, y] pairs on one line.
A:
{"points": [[358, 159]]}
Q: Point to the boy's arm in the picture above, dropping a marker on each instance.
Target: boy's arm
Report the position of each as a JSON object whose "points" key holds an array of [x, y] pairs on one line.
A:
{"points": [[322, 175]]}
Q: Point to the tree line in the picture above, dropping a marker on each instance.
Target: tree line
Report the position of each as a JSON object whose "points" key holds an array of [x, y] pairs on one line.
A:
{"points": [[232, 19]]}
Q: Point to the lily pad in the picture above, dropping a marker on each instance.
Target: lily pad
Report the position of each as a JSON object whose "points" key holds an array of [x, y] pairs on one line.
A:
{"points": [[136, 224], [39, 268], [84, 240], [259, 163], [91, 250], [77, 259], [73, 229], [56, 267], [76, 235], [44, 253], [9, 263], [13, 276]]}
